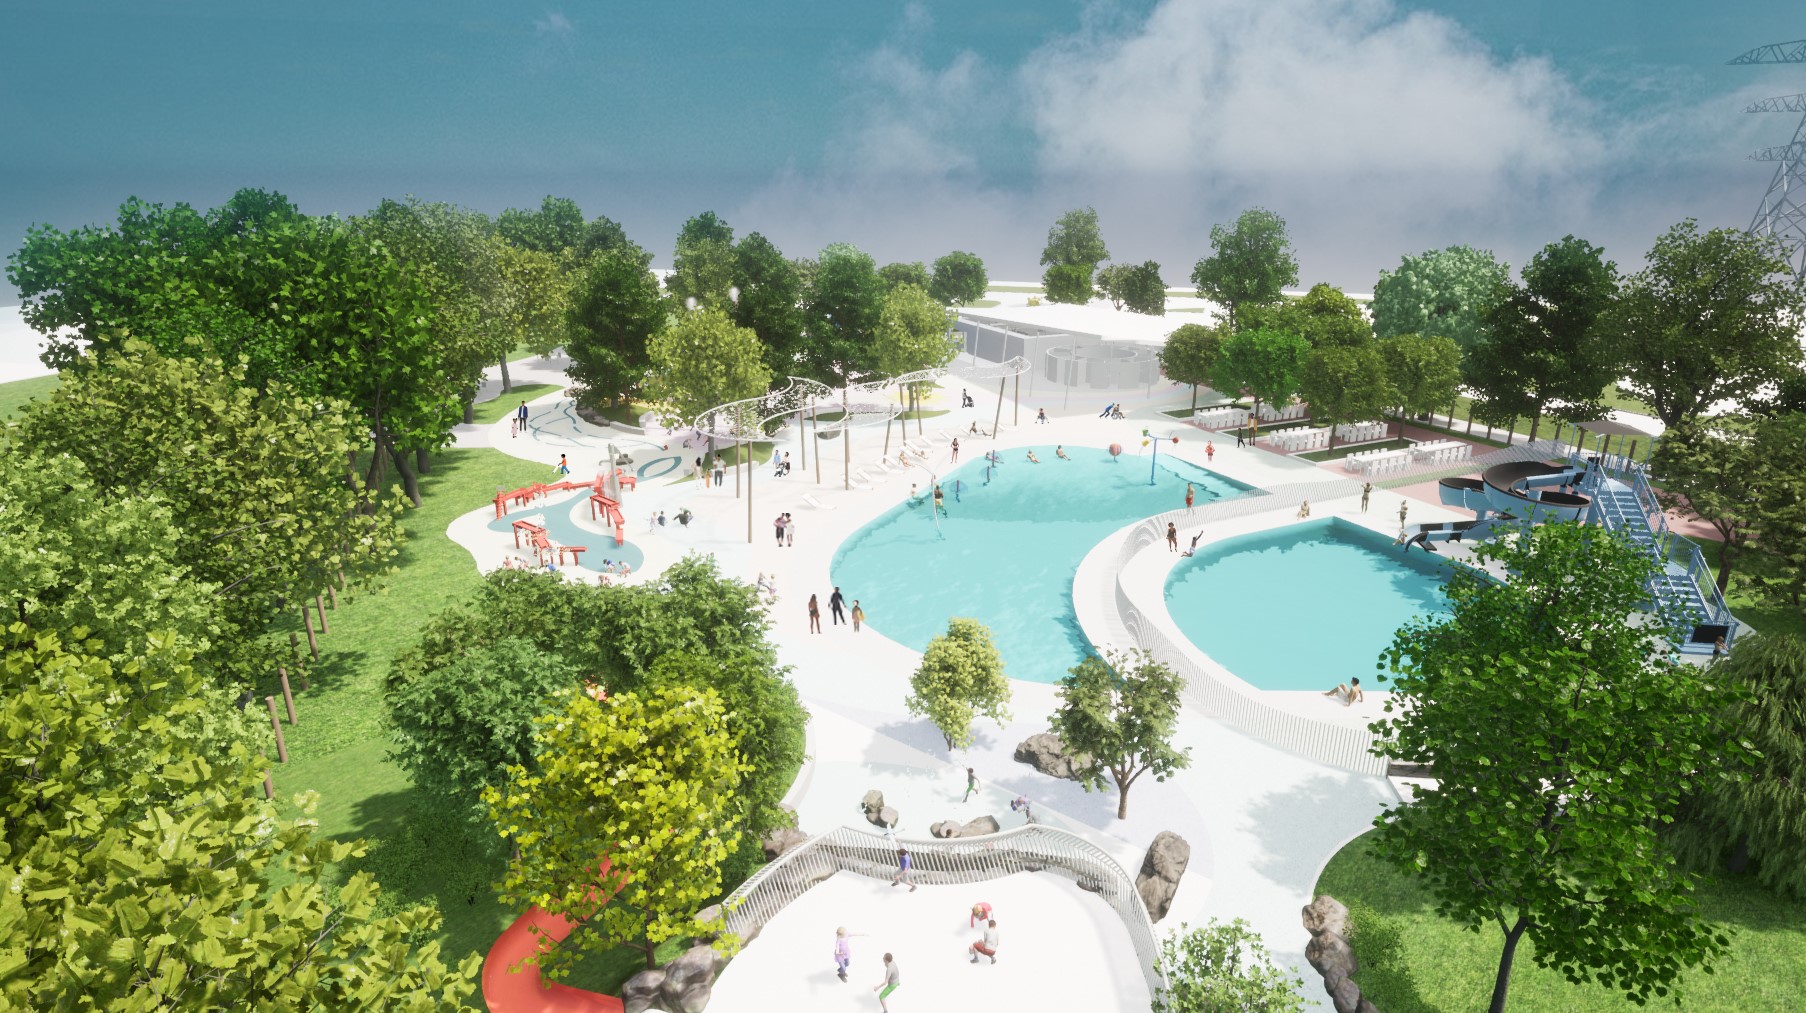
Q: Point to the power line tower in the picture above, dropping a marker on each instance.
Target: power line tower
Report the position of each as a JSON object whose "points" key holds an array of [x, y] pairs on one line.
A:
{"points": [[1783, 210]]}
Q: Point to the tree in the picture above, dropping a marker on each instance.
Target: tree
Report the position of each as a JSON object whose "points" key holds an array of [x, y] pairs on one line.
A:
{"points": [[556, 226], [894, 275], [1268, 364], [533, 299], [1721, 471], [703, 267], [959, 279], [1117, 715], [1560, 742], [1713, 317], [614, 311], [255, 480], [842, 305], [1190, 356], [960, 678], [1541, 348], [1425, 372], [459, 727], [914, 332], [1325, 316], [1252, 264], [601, 235], [1345, 384], [1223, 967], [1781, 440], [1760, 821], [1441, 293], [1137, 286], [1075, 246], [770, 303], [702, 361], [171, 884], [618, 825]]}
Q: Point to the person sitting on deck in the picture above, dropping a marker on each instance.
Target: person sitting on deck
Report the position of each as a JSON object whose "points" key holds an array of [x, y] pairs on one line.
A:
{"points": [[1194, 545], [1032, 457], [1060, 452], [1348, 693]]}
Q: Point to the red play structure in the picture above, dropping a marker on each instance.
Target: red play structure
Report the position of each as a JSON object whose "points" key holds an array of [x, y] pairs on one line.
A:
{"points": [[510, 986], [599, 500]]}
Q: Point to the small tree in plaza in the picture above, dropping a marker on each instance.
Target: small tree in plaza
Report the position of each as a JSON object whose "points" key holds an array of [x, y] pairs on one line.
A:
{"points": [[618, 826], [1190, 356], [703, 360], [1223, 967], [1425, 371], [1075, 246], [1267, 364], [959, 278], [1117, 715], [960, 678], [1562, 733], [915, 331], [1345, 384]]}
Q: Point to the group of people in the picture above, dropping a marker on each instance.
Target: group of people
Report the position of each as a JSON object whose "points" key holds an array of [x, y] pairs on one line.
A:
{"points": [[1172, 540], [1112, 410], [837, 606], [780, 464], [785, 526], [704, 473], [985, 946]]}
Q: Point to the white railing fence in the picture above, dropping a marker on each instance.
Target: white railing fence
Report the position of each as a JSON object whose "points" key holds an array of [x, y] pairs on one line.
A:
{"points": [[1031, 848]]}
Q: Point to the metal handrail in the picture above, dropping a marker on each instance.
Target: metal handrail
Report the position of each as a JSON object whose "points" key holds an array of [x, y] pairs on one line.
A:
{"points": [[1031, 848]]}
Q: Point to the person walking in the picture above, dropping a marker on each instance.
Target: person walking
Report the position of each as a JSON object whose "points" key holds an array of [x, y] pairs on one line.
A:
{"points": [[1238, 437], [956, 450], [940, 499], [1190, 496], [814, 615], [904, 874], [837, 607], [843, 951], [777, 525], [1404, 507], [720, 471], [789, 530], [986, 946], [1041, 416], [892, 978], [971, 785], [1210, 452], [699, 473], [564, 465], [1366, 493], [858, 615], [1172, 536], [520, 419]]}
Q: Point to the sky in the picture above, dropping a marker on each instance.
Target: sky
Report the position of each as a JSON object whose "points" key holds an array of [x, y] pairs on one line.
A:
{"points": [[1376, 128]]}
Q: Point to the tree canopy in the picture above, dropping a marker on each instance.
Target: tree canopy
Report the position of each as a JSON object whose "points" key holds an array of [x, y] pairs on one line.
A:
{"points": [[1731, 471], [1223, 966], [770, 303], [704, 264], [555, 226], [960, 678], [1252, 263], [702, 360], [1325, 316], [1714, 316], [1268, 364], [1190, 356], [1345, 384], [618, 824], [959, 279], [1440, 293], [842, 306], [1136, 286], [1075, 246], [1562, 732], [914, 273], [1117, 716], [1425, 372], [614, 310]]}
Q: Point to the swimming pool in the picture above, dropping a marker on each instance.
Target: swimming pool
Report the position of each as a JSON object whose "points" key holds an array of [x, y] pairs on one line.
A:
{"points": [[1006, 552], [1305, 606], [563, 530]]}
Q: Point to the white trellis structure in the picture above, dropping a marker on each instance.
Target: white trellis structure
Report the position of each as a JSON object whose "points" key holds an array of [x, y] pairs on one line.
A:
{"points": [[984, 372]]}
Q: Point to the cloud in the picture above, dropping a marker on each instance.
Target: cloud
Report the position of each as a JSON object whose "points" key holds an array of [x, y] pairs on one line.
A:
{"points": [[554, 23], [903, 112]]}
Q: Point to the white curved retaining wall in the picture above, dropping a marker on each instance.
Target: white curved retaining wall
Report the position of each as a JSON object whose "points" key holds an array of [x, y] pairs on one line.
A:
{"points": [[1108, 614], [1030, 848]]}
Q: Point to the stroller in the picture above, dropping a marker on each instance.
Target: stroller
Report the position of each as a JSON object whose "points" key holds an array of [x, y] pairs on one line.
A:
{"points": [[1116, 412]]}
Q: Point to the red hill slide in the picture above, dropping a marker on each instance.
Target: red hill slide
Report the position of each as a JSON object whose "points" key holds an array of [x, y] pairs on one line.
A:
{"points": [[522, 990]]}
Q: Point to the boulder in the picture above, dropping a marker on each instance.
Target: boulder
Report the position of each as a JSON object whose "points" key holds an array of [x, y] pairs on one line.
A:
{"points": [[1367, 1006], [781, 840], [642, 991], [945, 828], [690, 978], [1346, 996], [1161, 870], [1329, 952], [1333, 979], [873, 801], [1326, 914], [980, 826], [1046, 753], [884, 817]]}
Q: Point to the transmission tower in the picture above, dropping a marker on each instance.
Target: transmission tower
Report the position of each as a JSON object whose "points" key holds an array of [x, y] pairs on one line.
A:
{"points": [[1783, 210]]}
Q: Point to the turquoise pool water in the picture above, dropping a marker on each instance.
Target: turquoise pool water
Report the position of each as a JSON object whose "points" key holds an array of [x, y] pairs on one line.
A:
{"points": [[1305, 606], [564, 531], [1006, 552]]}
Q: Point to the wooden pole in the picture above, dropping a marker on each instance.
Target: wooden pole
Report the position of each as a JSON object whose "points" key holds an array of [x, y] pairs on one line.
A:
{"points": [[312, 644], [332, 596], [738, 454], [997, 418], [294, 644], [802, 438], [269, 789], [846, 444], [276, 726], [288, 695], [749, 480], [1016, 403], [815, 437], [320, 605]]}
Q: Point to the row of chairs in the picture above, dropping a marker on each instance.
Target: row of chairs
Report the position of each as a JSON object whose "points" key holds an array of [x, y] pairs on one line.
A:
{"points": [[1295, 410], [1291, 440], [1360, 432], [1224, 417]]}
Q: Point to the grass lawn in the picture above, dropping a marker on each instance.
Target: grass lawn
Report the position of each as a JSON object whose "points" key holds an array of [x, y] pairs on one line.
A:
{"points": [[730, 456], [1413, 961], [497, 408], [979, 304], [1031, 289], [14, 395], [1342, 450], [910, 415], [1765, 615]]}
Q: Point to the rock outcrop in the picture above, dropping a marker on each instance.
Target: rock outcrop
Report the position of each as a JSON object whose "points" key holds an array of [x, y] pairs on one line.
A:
{"points": [[1046, 753], [1161, 869], [1328, 951]]}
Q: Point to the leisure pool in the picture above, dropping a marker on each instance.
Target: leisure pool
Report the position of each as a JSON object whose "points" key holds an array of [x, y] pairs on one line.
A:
{"points": [[1305, 606], [1006, 551]]}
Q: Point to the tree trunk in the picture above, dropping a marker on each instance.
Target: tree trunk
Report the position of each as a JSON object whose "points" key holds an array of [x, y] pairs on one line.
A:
{"points": [[507, 384], [422, 460], [1535, 422], [1502, 984], [1740, 856], [1122, 801], [410, 482], [1725, 556], [1194, 399]]}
